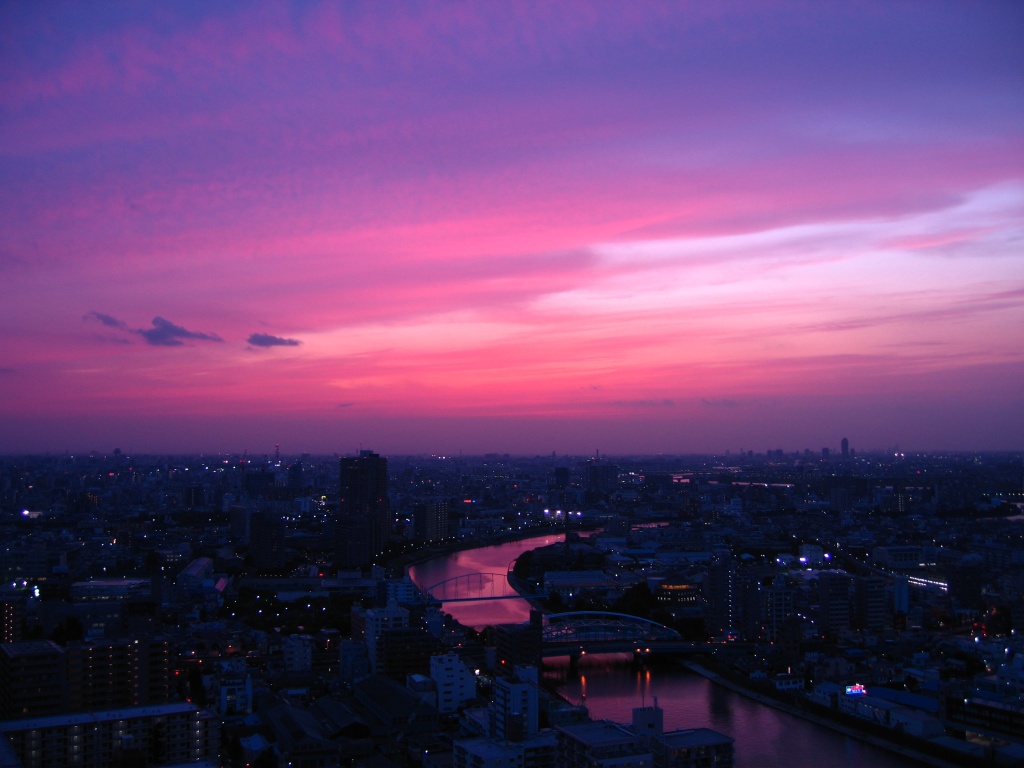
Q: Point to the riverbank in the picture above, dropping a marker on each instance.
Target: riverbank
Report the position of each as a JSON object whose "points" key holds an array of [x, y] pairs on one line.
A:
{"points": [[878, 741], [402, 563]]}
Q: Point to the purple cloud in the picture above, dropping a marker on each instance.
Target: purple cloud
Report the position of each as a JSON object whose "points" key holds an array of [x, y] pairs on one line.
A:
{"points": [[164, 333], [266, 340]]}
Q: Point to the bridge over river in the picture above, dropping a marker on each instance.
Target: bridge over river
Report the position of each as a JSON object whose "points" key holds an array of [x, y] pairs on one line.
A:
{"points": [[573, 633], [477, 587]]}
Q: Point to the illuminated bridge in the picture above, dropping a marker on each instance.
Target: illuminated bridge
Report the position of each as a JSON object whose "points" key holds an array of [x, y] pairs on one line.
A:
{"points": [[481, 586], [602, 631], [577, 633]]}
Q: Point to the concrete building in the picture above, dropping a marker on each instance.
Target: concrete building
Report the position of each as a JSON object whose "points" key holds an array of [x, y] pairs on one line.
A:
{"points": [[376, 621], [642, 744], [159, 735], [539, 751], [515, 709], [456, 683]]}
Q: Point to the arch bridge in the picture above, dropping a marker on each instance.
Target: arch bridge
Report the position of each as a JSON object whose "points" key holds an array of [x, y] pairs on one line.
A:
{"points": [[597, 629], [468, 587]]}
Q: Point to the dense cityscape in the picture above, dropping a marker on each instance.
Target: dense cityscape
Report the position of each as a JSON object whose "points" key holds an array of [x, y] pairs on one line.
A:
{"points": [[261, 611], [459, 384]]}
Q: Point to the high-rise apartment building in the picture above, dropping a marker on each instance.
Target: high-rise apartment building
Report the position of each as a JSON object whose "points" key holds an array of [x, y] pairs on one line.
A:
{"points": [[164, 734], [430, 520], [32, 680], [834, 615], [720, 594], [39, 678], [118, 673], [871, 609], [515, 711], [363, 523]]}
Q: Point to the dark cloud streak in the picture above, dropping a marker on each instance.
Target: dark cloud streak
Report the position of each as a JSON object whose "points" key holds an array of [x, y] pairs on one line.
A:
{"points": [[107, 320], [266, 340], [164, 333]]}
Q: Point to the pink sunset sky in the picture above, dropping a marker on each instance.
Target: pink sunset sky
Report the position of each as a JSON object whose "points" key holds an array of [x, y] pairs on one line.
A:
{"points": [[519, 227]]}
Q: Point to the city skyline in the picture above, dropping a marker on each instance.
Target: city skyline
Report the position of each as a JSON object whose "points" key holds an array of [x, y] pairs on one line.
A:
{"points": [[569, 227]]}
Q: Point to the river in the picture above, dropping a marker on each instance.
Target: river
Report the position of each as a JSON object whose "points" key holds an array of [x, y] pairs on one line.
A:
{"points": [[610, 687]]}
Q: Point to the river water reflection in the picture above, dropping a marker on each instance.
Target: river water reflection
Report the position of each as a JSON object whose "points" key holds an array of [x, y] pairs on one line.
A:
{"points": [[765, 738]]}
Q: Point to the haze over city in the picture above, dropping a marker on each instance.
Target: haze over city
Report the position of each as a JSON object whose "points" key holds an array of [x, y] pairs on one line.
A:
{"points": [[639, 228]]}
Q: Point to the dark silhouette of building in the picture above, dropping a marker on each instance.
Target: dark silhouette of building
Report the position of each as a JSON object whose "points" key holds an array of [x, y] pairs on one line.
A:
{"points": [[31, 679], [296, 477], [520, 643], [601, 479], [871, 608], [38, 678], [118, 673], [239, 518], [363, 523], [834, 615], [430, 520], [266, 540], [720, 595], [845, 448]]}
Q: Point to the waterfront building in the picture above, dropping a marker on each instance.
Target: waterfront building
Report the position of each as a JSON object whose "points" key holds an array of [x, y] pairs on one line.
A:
{"points": [[515, 709], [600, 744], [642, 744], [430, 520]]}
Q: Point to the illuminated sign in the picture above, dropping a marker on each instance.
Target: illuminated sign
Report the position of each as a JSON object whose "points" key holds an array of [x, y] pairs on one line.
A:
{"points": [[856, 690]]}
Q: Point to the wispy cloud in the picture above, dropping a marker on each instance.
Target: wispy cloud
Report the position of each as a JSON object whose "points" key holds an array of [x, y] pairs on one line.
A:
{"points": [[107, 320]]}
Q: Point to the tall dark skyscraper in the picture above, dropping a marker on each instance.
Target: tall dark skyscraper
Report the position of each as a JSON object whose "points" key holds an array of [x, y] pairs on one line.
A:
{"points": [[363, 524], [845, 448]]}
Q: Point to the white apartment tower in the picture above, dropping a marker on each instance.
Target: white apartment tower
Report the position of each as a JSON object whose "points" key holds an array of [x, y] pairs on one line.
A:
{"points": [[456, 683]]}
